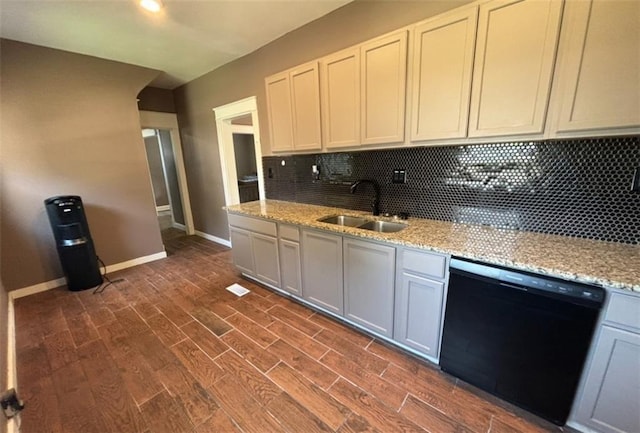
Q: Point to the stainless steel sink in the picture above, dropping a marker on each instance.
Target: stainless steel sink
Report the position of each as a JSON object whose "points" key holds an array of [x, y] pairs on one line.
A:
{"points": [[363, 223], [343, 220], [383, 226]]}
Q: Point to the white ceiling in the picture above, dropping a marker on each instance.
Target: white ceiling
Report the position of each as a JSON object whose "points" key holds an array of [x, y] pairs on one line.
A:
{"points": [[185, 40]]}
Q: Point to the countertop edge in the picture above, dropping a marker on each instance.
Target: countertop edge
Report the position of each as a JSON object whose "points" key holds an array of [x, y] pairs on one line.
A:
{"points": [[607, 283]]}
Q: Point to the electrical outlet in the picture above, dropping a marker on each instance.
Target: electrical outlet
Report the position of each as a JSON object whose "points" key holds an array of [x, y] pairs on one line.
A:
{"points": [[399, 175], [635, 183], [11, 404]]}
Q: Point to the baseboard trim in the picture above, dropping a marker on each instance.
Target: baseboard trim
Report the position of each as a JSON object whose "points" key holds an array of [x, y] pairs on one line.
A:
{"points": [[215, 239], [178, 226], [52, 284], [36, 288], [137, 261], [579, 427], [163, 208]]}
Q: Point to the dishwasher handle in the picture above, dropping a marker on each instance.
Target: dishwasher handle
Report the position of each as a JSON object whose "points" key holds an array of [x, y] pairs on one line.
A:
{"points": [[513, 286]]}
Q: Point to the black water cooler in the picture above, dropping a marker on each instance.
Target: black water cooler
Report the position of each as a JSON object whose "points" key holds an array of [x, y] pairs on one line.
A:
{"points": [[73, 242]]}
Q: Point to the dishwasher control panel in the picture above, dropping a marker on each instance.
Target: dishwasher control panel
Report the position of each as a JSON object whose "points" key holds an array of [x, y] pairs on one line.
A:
{"points": [[524, 280]]}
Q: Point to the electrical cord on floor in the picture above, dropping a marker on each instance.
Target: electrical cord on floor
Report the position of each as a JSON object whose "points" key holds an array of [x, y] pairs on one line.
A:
{"points": [[101, 287]]}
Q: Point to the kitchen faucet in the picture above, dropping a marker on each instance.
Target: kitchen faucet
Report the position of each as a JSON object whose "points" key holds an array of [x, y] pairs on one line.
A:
{"points": [[376, 201]]}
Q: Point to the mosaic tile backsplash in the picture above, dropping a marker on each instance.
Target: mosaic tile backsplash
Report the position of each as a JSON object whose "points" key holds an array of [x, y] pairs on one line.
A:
{"points": [[577, 187]]}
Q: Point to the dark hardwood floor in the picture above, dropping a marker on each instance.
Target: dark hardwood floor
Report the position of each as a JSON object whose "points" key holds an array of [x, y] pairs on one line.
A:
{"points": [[169, 350]]}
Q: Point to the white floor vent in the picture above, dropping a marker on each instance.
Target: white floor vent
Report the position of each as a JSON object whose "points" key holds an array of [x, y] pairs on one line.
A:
{"points": [[238, 290]]}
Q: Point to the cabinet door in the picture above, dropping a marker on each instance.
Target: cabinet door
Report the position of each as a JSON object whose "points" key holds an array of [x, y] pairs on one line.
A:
{"points": [[515, 53], [599, 65], [383, 88], [241, 250], [305, 107], [442, 65], [265, 256], [611, 396], [340, 84], [279, 108], [290, 265], [418, 313], [322, 270], [369, 278]]}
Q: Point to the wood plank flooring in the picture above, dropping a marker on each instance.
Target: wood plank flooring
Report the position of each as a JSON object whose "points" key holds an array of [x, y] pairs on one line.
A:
{"points": [[169, 350]]}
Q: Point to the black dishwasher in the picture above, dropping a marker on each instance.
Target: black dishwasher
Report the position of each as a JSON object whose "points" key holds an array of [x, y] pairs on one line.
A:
{"points": [[522, 337]]}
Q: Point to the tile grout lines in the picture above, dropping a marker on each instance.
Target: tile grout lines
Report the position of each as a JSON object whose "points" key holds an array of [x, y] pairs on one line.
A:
{"points": [[260, 340]]}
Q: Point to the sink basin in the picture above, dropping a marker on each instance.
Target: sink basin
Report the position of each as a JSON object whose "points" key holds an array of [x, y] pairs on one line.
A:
{"points": [[383, 226], [343, 220], [363, 223]]}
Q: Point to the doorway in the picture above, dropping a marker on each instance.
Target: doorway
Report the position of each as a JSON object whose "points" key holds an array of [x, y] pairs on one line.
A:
{"points": [[167, 172], [240, 151], [245, 155], [164, 182]]}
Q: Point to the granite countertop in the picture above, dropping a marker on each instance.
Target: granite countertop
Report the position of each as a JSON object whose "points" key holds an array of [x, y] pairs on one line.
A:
{"points": [[608, 264]]}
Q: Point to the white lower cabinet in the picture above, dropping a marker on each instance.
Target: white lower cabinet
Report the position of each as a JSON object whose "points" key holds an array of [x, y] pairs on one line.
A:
{"points": [[610, 398], [255, 248], [322, 270], [394, 292], [418, 313], [419, 300], [369, 273], [265, 256], [241, 251], [290, 265]]}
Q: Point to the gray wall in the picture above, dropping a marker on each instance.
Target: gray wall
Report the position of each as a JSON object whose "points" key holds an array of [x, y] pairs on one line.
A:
{"points": [[354, 23], [155, 99], [70, 125]]}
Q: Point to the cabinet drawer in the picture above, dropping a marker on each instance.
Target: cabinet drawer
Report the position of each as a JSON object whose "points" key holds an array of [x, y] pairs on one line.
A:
{"points": [[624, 310], [424, 263], [289, 232], [253, 224]]}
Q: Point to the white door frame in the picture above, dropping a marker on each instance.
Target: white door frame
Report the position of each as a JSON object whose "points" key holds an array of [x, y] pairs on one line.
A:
{"points": [[157, 120], [224, 114]]}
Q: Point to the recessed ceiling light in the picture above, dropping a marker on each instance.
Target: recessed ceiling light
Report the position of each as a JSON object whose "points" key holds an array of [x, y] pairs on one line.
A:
{"points": [[151, 5]]}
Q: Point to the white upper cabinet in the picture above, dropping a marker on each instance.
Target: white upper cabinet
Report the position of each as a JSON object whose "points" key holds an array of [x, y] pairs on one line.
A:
{"points": [[383, 89], [599, 66], [480, 71], [293, 102], [305, 106], [515, 54], [363, 93], [442, 65], [340, 85], [279, 107]]}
